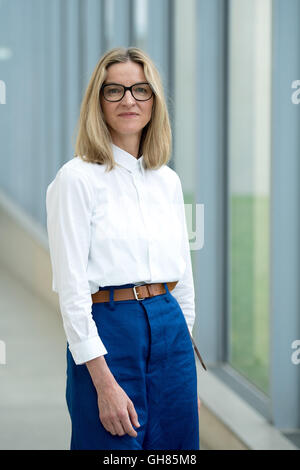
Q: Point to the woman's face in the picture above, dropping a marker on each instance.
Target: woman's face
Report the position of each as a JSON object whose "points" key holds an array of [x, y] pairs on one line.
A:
{"points": [[126, 74]]}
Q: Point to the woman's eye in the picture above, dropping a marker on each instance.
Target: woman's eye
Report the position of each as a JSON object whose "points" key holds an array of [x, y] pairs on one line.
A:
{"points": [[113, 90]]}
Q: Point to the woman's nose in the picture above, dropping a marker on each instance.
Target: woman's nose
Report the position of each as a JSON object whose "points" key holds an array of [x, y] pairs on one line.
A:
{"points": [[128, 98]]}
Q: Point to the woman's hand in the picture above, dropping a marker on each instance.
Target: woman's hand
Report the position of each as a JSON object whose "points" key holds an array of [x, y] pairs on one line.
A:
{"points": [[116, 411]]}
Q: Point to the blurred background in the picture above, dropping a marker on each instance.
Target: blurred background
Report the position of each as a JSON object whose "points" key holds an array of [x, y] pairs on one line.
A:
{"points": [[231, 71]]}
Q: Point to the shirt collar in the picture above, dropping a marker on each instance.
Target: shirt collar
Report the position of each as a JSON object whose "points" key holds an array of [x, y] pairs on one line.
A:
{"points": [[127, 160]]}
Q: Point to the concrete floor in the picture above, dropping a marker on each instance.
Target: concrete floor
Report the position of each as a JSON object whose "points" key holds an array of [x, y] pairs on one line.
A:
{"points": [[33, 412]]}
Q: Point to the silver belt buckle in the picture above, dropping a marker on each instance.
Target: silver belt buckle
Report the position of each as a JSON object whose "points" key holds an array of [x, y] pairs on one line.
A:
{"points": [[136, 293]]}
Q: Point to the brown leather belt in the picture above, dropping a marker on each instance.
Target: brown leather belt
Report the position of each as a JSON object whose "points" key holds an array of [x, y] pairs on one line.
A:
{"points": [[137, 292], [140, 292]]}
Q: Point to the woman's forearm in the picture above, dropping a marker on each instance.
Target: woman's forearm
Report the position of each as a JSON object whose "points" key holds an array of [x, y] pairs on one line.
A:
{"points": [[100, 373]]}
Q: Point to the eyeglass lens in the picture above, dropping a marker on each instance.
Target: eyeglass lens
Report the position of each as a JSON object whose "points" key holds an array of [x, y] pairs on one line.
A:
{"points": [[115, 92]]}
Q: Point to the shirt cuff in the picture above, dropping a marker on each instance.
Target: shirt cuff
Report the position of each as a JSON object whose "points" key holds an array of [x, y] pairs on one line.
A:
{"points": [[87, 350]]}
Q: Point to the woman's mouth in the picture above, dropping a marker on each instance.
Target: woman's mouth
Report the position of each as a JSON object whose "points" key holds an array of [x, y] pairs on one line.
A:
{"points": [[128, 115]]}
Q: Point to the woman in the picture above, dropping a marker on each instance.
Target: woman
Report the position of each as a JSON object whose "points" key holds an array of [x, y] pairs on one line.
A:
{"points": [[115, 219]]}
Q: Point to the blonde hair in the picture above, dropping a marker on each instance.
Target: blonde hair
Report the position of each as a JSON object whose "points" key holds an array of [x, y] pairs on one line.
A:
{"points": [[93, 142]]}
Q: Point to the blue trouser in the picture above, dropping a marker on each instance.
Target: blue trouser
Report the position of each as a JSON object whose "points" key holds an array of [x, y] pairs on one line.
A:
{"points": [[151, 356]]}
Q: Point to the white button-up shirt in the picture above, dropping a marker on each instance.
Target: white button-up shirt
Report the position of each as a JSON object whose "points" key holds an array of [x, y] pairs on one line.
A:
{"points": [[113, 228]]}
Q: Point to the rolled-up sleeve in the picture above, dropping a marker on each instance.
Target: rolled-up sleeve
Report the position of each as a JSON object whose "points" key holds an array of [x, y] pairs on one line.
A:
{"points": [[69, 205], [184, 291]]}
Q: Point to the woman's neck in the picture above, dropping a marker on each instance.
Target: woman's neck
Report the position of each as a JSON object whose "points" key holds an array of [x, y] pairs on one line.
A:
{"points": [[130, 145]]}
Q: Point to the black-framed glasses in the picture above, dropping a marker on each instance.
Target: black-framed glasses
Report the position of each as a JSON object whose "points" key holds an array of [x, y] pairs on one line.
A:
{"points": [[115, 92]]}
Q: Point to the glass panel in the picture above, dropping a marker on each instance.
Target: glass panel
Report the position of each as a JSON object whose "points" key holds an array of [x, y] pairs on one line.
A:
{"points": [[141, 23], [249, 187]]}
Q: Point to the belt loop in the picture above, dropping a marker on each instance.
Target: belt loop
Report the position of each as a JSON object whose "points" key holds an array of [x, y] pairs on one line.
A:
{"points": [[167, 292], [111, 298]]}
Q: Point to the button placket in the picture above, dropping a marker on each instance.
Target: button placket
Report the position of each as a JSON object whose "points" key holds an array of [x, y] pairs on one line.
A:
{"points": [[137, 180]]}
